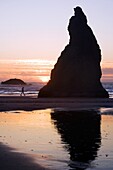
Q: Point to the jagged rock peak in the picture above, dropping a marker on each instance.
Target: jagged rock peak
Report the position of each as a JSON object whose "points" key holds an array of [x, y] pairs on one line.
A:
{"points": [[79, 14]]}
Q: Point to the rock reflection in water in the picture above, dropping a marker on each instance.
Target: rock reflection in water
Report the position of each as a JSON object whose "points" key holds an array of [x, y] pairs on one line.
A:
{"points": [[80, 131]]}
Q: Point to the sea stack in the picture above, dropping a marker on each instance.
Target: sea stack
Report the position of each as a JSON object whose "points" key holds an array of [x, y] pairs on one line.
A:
{"points": [[77, 72]]}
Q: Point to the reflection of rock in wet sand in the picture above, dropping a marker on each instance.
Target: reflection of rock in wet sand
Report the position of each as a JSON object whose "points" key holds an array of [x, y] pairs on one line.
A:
{"points": [[80, 130]]}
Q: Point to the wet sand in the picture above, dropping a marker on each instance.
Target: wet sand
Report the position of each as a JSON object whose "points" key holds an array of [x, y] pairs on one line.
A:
{"points": [[8, 103], [13, 159], [24, 142]]}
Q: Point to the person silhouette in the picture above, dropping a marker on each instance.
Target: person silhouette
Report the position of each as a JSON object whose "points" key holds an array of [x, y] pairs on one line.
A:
{"points": [[22, 92]]}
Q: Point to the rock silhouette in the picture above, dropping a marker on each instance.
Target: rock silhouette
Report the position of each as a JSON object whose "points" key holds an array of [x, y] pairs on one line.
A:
{"points": [[14, 82], [77, 72]]}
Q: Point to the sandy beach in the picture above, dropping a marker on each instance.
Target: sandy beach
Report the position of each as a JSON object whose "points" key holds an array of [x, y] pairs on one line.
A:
{"points": [[8, 103], [32, 136]]}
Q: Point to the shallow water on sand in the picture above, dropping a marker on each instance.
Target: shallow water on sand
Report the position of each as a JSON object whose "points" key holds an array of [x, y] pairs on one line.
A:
{"points": [[61, 140]]}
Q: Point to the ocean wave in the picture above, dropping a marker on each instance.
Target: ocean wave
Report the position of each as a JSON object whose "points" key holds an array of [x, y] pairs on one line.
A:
{"points": [[32, 89]]}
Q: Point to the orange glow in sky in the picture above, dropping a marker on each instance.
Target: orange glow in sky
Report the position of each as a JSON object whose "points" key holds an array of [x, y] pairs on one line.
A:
{"points": [[39, 70], [27, 70]]}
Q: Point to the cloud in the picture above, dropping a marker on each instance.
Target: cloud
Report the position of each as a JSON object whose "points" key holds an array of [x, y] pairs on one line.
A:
{"points": [[107, 74], [107, 70], [37, 70]]}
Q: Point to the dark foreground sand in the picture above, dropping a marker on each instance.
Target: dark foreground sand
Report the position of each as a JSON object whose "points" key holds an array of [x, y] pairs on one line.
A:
{"points": [[12, 160], [8, 103]]}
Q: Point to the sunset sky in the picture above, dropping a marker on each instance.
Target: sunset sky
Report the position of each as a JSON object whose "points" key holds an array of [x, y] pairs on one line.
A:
{"points": [[37, 29]]}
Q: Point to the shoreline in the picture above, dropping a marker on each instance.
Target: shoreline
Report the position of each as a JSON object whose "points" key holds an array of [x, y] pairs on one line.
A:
{"points": [[28, 103]]}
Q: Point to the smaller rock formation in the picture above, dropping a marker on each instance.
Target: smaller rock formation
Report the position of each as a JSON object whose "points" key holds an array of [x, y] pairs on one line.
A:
{"points": [[77, 72], [14, 82]]}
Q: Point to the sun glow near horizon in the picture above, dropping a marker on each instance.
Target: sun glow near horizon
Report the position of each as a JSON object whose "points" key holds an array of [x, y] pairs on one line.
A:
{"points": [[37, 70], [43, 70], [27, 70]]}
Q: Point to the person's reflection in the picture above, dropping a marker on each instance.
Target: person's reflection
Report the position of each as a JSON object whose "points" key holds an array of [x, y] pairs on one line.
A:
{"points": [[80, 130]]}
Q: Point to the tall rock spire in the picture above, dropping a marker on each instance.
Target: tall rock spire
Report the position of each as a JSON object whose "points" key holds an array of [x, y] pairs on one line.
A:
{"points": [[77, 72]]}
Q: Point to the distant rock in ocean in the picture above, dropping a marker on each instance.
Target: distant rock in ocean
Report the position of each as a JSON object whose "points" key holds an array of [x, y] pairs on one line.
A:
{"points": [[77, 72], [14, 82]]}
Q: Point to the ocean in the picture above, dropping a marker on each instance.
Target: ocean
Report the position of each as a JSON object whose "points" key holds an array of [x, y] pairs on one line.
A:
{"points": [[109, 87], [33, 89]]}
